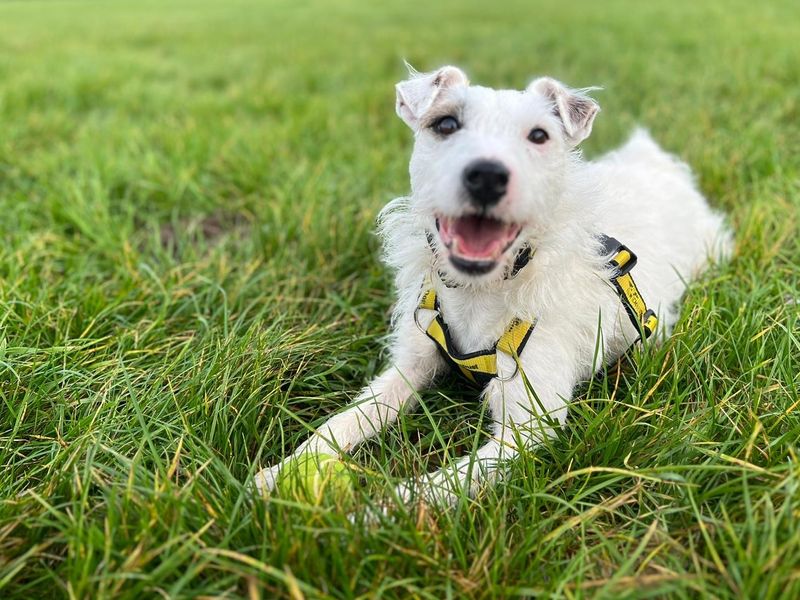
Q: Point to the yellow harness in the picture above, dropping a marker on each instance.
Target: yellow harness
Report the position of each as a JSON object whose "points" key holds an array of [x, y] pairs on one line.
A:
{"points": [[622, 261], [477, 367], [481, 367]]}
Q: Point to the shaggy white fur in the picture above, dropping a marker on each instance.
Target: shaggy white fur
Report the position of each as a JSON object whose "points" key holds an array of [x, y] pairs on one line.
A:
{"points": [[559, 204]]}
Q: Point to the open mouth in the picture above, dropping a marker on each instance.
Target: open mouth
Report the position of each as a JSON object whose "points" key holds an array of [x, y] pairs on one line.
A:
{"points": [[475, 242]]}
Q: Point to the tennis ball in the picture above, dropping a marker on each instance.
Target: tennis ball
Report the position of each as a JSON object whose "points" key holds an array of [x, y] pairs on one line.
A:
{"points": [[311, 476]]}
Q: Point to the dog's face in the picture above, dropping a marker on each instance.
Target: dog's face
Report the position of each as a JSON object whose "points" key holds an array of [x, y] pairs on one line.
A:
{"points": [[488, 166]]}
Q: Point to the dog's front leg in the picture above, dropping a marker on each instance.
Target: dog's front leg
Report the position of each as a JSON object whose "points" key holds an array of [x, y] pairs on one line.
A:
{"points": [[523, 414], [415, 363]]}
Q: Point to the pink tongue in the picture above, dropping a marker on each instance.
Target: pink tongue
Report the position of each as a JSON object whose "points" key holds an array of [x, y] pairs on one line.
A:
{"points": [[476, 235]]}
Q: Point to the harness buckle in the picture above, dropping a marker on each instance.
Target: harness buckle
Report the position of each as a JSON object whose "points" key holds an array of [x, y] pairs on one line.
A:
{"points": [[623, 260], [649, 322]]}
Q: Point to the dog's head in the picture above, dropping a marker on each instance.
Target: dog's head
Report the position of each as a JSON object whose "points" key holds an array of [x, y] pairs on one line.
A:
{"points": [[489, 166]]}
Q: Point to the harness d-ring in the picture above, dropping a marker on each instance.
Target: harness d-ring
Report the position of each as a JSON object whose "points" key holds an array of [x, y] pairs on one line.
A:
{"points": [[416, 321], [514, 374], [426, 282]]}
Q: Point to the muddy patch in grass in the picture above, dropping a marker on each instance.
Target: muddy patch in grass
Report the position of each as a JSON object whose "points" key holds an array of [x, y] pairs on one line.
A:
{"points": [[201, 232]]}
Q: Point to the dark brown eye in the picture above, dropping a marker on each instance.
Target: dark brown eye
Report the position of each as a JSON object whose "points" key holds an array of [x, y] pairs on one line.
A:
{"points": [[446, 125], [538, 135]]}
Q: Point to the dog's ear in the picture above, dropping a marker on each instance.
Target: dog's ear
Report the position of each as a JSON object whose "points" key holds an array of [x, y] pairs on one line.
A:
{"points": [[416, 95], [575, 109]]}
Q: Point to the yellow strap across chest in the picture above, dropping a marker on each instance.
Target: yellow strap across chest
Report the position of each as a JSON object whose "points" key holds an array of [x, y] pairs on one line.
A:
{"points": [[477, 367], [480, 367]]}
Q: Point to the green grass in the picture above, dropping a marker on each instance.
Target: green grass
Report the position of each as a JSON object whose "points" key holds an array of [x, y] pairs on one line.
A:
{"points": [[189, 280]]}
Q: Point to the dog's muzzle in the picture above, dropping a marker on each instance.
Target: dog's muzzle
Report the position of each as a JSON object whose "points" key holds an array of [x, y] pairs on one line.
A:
{"points": [[476, 243]]}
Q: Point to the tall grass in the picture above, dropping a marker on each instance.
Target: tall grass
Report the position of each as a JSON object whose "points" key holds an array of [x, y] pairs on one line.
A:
{"points": [[188, 282]]}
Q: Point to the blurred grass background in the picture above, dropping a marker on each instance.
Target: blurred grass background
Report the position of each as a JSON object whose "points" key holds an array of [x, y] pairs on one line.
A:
{"points": [[188, 279]]}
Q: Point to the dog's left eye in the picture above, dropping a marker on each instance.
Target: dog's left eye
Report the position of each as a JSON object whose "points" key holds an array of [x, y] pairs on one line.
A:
{"points": [[538, 135], [446, 125]]}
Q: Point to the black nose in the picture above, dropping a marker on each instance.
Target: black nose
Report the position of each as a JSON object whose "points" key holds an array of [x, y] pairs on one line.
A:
{"points": [[486, 181]]}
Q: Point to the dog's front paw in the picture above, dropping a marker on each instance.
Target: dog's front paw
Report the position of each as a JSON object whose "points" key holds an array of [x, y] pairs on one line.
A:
{"points": [[266, 480]]}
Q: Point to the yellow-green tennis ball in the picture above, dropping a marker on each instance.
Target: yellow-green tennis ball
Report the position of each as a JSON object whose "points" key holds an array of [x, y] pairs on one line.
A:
{"points": [[310, 477]]}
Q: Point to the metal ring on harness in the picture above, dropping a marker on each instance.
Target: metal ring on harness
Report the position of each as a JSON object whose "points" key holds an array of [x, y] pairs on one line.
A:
{"points": [[416, 322], [514, 374], [428, 279]]}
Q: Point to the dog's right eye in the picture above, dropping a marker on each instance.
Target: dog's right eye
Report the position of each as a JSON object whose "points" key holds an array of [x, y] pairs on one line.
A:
{"points": [[538, 136], [446, 125]]}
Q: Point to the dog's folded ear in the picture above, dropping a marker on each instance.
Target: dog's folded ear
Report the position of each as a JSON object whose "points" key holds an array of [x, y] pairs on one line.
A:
{"points": [[575, 109], [418, 94]]}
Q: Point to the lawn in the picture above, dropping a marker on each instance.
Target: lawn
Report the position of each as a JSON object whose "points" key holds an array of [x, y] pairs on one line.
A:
{"points": [[189, 280]]}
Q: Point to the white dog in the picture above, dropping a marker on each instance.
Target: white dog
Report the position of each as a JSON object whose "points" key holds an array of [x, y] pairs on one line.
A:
{"points": [[508, 265]]}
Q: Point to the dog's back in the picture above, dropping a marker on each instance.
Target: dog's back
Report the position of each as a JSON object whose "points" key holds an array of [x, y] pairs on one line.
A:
{"points": [[649, 199]]}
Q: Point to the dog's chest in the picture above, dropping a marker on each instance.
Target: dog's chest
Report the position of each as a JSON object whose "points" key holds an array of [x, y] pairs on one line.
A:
{"points": [[475, 321]]}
